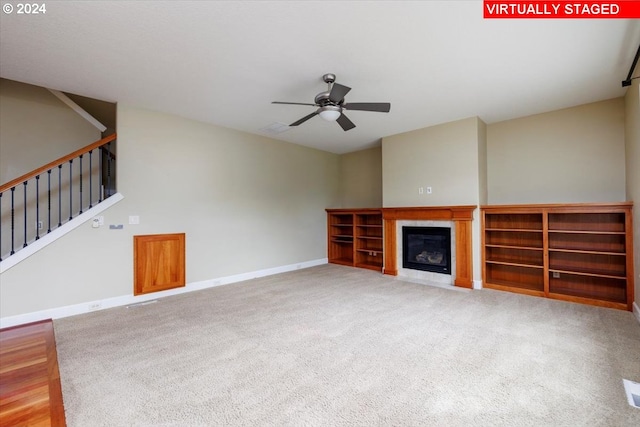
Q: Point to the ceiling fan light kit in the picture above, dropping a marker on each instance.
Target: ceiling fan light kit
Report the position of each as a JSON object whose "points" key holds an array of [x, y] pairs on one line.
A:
{"points": [[330, 112], [331, 105]]}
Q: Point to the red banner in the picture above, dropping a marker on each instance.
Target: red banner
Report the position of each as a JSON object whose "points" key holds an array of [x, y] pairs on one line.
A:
{"points": [[502, 9]]}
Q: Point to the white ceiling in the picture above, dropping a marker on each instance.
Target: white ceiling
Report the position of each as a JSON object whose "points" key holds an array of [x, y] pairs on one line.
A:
{"points": [[223, 62]]}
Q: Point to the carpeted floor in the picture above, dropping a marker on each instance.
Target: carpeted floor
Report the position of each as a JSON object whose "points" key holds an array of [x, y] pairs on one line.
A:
{"points": [[334, 346]]}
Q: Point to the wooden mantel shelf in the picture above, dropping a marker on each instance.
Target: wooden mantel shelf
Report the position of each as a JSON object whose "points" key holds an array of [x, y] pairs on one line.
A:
{"points": [[461, 217]]}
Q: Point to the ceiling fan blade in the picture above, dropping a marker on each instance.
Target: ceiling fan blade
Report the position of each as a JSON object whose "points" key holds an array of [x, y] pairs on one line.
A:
{"points": [[345, 123], [381, 107], [304, 119], [293, 103], [338, 92]]}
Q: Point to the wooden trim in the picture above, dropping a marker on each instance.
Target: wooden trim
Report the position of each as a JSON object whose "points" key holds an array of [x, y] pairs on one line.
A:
{"points": [[445, 213], [353, 211], [589, 301], [464, 256], [630, 262], [56, 163], [56, 406], [460, 215], [545, 251], [483, 244], [390, 266], [562, 207]]}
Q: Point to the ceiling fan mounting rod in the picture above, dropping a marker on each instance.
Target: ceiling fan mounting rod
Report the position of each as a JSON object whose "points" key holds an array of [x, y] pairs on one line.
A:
{"points": [[329, 78]]}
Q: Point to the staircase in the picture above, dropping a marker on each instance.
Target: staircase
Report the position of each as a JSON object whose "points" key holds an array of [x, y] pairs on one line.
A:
{"points": [[35, 205]]}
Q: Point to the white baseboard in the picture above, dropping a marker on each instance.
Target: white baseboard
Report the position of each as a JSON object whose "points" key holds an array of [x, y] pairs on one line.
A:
{"points": [[88, 306], [477, 284], [59, 232], [636, 311]]}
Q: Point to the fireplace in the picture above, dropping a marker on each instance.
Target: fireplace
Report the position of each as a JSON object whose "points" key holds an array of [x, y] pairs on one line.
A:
{"points": [[427, 249]]}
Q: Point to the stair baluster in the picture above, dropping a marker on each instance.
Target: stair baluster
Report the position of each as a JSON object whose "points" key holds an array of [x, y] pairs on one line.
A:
{"points": [[30, 201]]}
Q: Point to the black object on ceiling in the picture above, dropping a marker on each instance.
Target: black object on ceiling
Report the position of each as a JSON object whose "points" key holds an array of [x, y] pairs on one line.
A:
{"points": [[627, 82]]}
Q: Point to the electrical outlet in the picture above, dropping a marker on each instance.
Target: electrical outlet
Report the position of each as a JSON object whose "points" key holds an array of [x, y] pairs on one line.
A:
{"points": [[420, 190], [429, 190], [39, 225], [93, 306]]}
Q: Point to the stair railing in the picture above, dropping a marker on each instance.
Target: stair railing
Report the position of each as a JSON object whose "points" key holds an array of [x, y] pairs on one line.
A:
{"points": [[73, 183]]}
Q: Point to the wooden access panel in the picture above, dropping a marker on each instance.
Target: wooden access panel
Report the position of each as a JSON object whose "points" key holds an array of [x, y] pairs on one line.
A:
{"points": [[159, 262]]}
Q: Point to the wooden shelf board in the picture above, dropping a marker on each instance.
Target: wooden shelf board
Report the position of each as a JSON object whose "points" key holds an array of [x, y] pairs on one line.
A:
{"points": [[343, 261], [528, 248], [590, 301], [370, 266], [580, 251], [568, 294], [370, 237], [584, 273], [515, 287], [514, 264], [587, 232], [519, 230], [342, 242]]}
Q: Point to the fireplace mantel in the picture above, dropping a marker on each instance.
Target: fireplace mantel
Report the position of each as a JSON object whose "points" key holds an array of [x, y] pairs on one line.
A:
{"points": [[461, 217]]}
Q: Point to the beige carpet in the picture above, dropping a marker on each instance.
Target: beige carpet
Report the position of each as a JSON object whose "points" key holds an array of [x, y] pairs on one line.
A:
{"points": [[334, 346]]}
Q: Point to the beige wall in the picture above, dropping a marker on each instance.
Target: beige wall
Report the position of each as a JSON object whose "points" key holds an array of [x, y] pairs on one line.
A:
{"points": [[245, 202], [361, 179], [449, 158], [632, 146], [443, 157], [249, 203], [482, 163], [36, 123], [570, 155]]}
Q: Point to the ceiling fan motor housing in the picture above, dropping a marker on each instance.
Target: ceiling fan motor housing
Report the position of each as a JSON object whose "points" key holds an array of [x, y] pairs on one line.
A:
{"points": [[322, 99]]}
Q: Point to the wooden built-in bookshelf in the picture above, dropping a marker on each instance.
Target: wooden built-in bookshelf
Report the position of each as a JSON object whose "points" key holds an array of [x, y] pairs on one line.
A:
{"points": [[575, 252], [355, 237]]}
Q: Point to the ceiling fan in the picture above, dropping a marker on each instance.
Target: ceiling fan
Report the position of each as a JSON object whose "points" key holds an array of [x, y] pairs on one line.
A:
{"points": [[331, 105]]}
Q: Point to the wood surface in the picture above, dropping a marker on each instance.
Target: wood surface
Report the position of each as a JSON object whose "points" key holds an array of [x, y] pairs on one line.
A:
{"points": [[587, 251], [159, 262], [30, 390], [460, 215], [56, 163]]}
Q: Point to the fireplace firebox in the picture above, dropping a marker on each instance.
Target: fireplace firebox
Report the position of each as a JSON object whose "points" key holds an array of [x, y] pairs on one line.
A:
{"points": [[427, 249]]}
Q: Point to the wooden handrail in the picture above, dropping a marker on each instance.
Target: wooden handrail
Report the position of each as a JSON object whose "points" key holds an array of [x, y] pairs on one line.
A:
{"points": [[55, 163]]}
